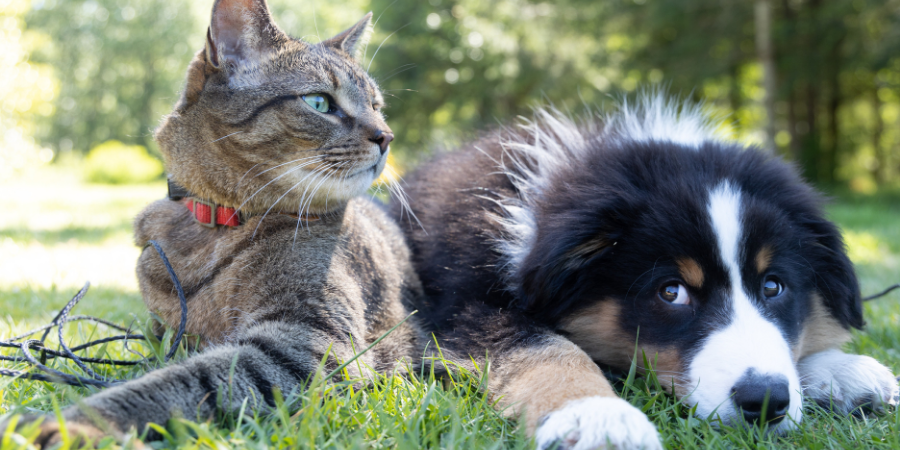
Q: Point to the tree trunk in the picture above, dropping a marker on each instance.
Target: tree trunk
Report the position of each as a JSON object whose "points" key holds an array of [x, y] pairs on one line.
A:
{"points": [[146, 114], [811, 144], [795, 145], [795, 148], [830, 158], [734, 89], [879, 172], [764, 54]]}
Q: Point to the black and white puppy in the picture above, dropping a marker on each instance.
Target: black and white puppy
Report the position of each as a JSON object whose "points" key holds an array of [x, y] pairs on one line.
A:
{"points": [[558, 245]]}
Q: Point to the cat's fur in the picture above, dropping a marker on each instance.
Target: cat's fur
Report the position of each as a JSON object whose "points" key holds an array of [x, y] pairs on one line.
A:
{"points": [[311, 268]]}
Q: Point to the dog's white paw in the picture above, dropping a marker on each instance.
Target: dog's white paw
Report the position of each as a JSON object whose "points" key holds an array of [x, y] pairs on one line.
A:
{"points": [[597, 423], [844, 382]]}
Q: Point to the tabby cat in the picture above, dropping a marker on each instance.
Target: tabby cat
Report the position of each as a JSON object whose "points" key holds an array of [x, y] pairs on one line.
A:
{"points": [[274, 139]]}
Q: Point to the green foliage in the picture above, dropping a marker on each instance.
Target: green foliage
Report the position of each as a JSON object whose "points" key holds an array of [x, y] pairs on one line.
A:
{"points": [[837, 74], [113, 162], [453, 67], [120, 66]]}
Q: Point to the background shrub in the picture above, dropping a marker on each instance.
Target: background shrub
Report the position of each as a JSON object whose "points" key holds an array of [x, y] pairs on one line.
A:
{"points": [[113, 162]]}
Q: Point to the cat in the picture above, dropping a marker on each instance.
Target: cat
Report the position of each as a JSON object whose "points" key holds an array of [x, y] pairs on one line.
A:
{"points": [[273, 140]]}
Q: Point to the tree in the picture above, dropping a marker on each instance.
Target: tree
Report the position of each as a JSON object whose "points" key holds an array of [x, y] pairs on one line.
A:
{"points": [[26, 92], [119, 64], [452, 67]]}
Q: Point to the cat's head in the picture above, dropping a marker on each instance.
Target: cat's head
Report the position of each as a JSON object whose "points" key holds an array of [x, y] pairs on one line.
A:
{"points": [[269, 121]]}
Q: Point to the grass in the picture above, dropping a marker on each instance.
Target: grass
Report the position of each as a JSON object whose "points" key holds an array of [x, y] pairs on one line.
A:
{"points": [[56, 233]]}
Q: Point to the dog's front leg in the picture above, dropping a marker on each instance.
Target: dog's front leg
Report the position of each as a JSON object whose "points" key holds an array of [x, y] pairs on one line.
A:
{"points": [[844, 382], [564, 398]]}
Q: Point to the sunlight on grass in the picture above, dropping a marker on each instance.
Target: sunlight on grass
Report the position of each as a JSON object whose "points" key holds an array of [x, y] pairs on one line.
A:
{"points": [[865, 248], [67, 265], [871, 231], [57, 231]]}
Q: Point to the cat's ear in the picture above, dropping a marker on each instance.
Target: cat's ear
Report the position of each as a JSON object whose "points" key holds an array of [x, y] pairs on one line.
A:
{"points": [[354, 39], [240, 32]]}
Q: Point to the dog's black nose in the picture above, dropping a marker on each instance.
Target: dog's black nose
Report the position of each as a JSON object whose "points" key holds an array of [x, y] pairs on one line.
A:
{"points": [[762, 397], [383, 139]]}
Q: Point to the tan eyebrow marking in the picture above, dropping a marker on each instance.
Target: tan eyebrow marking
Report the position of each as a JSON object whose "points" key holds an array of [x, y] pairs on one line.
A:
{"points": [[690, 272], [763, 259]]}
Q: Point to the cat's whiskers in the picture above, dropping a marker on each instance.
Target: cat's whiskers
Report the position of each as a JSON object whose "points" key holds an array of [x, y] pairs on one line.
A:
{"points": [[317, 149], [302, 201], [241, 180], [305, 158], [226, 136], [397, 71], [382, 43], [345, 176], [315, 189], [300, 219], [289, 171], [300, 215], [286, 192], [339, 182], [375, 24], [396, 190]]}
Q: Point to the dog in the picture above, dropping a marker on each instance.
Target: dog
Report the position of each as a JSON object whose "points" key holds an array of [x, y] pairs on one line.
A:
{"points": [[559, 244]]}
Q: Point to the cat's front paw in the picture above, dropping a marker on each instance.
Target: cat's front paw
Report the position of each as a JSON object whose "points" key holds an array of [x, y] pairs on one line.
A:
{"points": [[51, 433], [597, 423], [843, 382]]}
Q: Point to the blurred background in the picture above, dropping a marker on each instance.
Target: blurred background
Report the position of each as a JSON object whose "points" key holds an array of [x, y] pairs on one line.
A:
{"points": [[816, 80], [83, 84]]}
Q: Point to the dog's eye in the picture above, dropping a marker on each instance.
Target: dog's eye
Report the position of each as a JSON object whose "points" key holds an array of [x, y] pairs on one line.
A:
{"points": [[675, 293], [772, 287]]}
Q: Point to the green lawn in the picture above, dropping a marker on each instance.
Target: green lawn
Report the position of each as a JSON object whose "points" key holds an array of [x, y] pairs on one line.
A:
{"points": [[56, 233]]}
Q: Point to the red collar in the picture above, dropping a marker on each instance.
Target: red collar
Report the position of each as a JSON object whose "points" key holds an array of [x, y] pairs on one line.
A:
{"points": [[203, 213], [210, 215]]}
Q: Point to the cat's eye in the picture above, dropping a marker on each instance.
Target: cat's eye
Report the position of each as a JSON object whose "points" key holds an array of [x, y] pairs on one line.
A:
{"points": [[319, 102], [772, 287], [675, 294]]}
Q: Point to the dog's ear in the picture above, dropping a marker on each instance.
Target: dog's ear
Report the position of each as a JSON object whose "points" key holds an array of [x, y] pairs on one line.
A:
{"points": [[836, 279], [551, 276]]}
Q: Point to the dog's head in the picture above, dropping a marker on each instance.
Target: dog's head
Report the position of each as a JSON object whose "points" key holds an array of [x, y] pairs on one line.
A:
{"points": [[715, 259]]}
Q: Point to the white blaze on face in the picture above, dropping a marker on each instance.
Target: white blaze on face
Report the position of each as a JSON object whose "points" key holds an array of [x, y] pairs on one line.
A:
{"points": [[749, 341]]}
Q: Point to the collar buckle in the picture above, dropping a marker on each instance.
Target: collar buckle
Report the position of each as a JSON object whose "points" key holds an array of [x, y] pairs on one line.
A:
{"points": [[212, 212]]}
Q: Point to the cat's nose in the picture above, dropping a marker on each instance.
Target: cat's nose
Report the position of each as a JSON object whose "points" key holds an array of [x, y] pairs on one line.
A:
{"points": [[383, 139]]}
